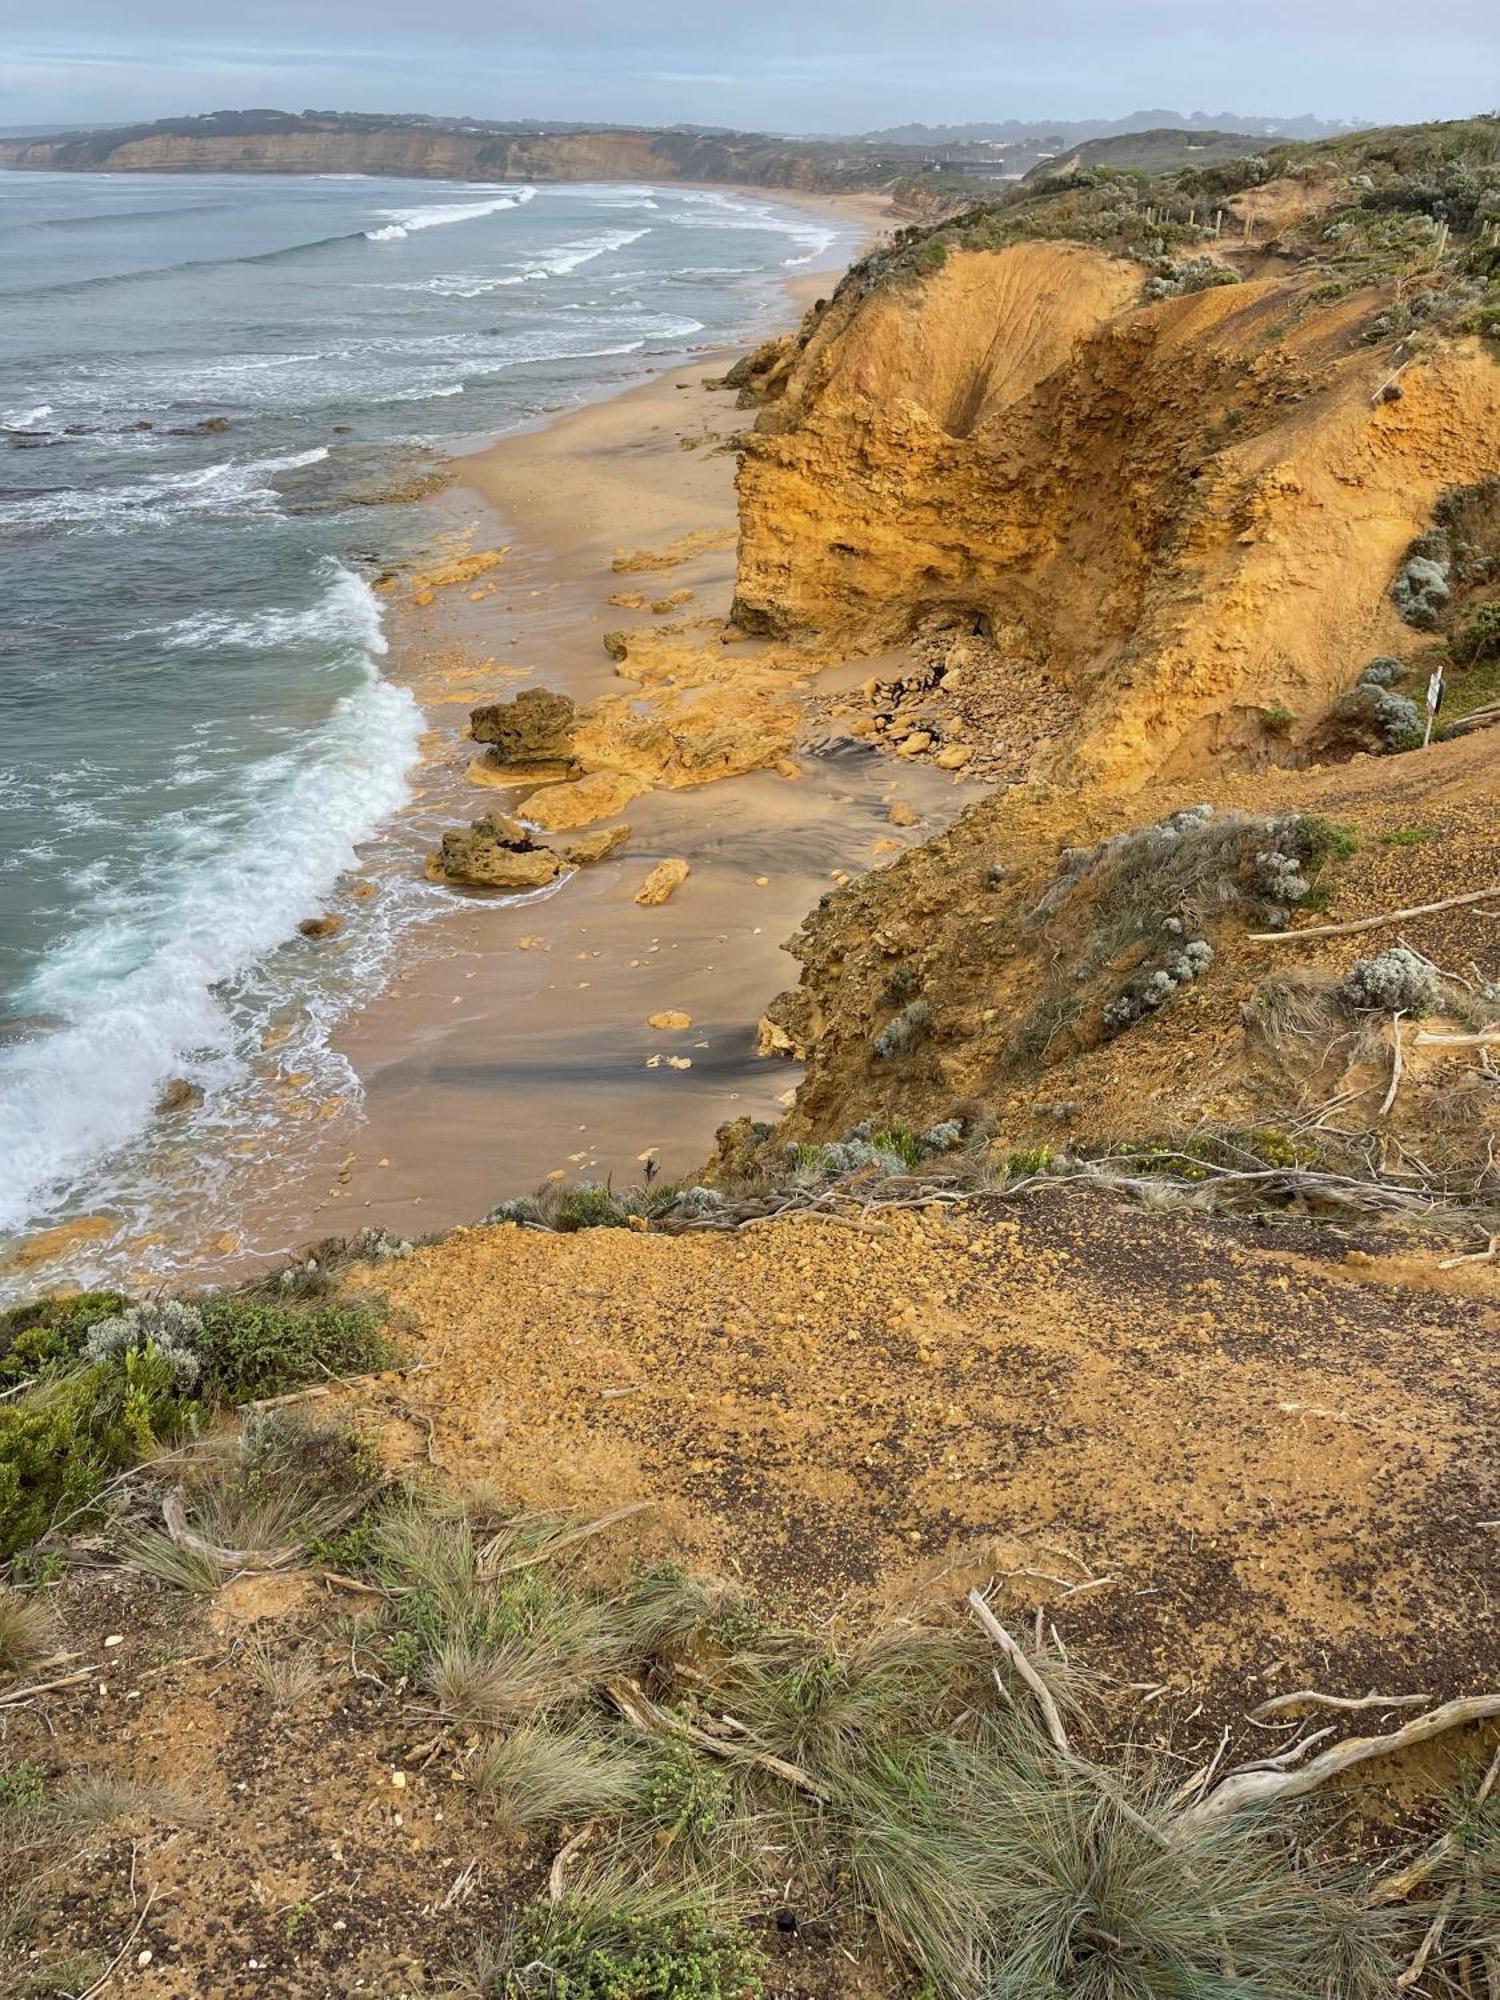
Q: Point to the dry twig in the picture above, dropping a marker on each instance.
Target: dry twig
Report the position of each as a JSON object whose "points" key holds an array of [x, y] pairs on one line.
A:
{"points": [[638, 1708]]}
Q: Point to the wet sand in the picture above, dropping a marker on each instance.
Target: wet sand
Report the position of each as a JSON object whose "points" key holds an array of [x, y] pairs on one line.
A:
{"points": [[515, 1044]]}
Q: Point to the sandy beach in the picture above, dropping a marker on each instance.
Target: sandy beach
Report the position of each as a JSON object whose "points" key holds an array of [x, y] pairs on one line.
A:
{"points": [[514, 1046]]}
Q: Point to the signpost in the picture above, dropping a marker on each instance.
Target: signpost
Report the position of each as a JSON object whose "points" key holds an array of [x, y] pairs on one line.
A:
{"points": [[1434, 701]]}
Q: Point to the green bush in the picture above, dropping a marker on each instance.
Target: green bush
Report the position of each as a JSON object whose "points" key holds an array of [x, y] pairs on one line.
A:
{"points": [[89, 1415], [595, 1952], [1479, 639], [253, 1348], [48, 1334], [62, 1444]]}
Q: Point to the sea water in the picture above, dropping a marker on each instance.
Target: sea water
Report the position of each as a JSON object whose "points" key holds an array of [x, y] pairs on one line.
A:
{"points": [[201, 729]]}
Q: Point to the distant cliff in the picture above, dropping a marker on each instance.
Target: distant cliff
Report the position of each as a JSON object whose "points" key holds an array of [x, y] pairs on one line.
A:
{"points": [[279, 143]]}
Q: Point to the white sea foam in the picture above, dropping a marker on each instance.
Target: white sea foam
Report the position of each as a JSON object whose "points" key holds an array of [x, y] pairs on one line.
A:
{"points": [[25, 420], [140, 979], [346, 613], [231, 486], [399, 222], [556, 263], [707, 209]]}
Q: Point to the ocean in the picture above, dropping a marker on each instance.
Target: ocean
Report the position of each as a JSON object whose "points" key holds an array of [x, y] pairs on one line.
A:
{"points": [[204, 384]]}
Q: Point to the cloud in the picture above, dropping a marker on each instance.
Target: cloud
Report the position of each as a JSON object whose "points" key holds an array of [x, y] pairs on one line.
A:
{"points": [[841, 64]]}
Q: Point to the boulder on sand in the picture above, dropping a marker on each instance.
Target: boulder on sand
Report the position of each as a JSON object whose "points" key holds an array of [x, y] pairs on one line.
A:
{"points": [[536, 728], [494, 853]]}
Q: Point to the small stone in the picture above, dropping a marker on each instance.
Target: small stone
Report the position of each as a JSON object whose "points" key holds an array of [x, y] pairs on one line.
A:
{"points": [[143, 1958], [672, 1017], [901, 814], [915, 744], [398, 1779], [596, 846], [326, 926], [115, 1639], [954, 757]]}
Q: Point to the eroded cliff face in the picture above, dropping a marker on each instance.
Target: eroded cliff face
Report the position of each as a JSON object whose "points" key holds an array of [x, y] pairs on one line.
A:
{"points": [[1187, 514]]}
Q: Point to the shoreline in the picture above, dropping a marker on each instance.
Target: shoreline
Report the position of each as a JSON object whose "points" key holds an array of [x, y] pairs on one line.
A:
{"points": [[512, 1044], [508, 1041]]}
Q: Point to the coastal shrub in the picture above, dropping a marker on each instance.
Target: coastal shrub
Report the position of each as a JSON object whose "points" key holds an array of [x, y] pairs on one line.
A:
{"points": [[108, 1382], [48, 1334], [1479, 639], [590, 1207], [1170, 279], [1393, 980], [64, 1440], [903, 1031], [1421, 590], [621, 1947], [1147, 991], [253, 1348], [1383, 672], [173, 1330]]}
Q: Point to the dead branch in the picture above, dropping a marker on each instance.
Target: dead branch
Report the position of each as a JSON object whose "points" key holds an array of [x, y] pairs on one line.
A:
{"points": [[1479, 1038], [1051, 1719], [1471, 1256], [1396, 1888], [1315, 1699], [1256, 1788], [563, 1856], [1430, 1939], [14, 1695], [1292, 1756], [1374, 923], [1390, 1096], [639, 1709]]}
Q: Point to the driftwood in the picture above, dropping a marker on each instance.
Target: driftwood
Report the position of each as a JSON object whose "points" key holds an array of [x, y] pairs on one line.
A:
{"points": [[1259, 1788], [638, 1708], [1373, 923]]}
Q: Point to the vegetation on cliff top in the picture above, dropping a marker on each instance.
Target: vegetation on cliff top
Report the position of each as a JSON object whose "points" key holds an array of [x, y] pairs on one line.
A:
{"points": [[1418, 204]]}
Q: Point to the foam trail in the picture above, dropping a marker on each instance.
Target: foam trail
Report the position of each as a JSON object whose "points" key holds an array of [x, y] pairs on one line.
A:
{"points": [[400, 222], [138, 980], [222, 488]]}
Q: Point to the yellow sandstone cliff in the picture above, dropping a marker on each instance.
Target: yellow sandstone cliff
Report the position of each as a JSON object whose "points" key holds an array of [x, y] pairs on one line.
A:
{"points": [[1185, 513]]}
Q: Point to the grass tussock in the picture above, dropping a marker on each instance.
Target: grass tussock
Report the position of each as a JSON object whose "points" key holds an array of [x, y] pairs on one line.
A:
{"points": [[27, 1633], [540, 1776]]}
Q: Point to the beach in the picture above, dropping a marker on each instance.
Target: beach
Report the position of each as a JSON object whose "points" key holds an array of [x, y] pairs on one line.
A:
{"points": [[515, 1045]]}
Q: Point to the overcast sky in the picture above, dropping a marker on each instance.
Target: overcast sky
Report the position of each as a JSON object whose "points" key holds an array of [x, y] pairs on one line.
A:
{"points": [[790, 65]]}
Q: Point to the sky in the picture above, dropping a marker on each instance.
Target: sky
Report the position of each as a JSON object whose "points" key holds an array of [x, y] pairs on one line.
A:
{"points": [[780, 65]]}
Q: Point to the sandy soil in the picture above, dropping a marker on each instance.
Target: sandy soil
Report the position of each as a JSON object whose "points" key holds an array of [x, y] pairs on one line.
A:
{"points": [[1225, 1461]]}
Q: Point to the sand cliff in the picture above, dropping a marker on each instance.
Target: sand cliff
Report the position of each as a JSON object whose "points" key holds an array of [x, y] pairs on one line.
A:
{"points": [[1183, 514]]}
